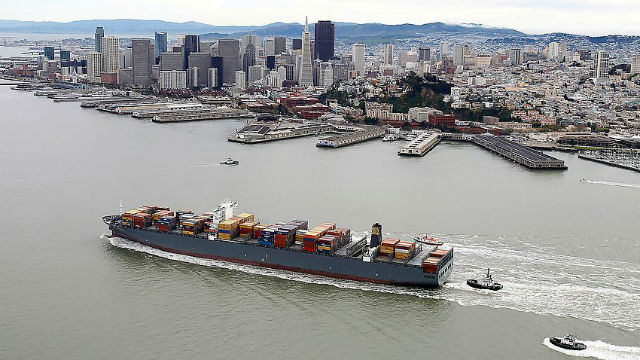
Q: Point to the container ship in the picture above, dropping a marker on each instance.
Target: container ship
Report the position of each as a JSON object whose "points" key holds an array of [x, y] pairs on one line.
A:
{"points": [[325, 250]]}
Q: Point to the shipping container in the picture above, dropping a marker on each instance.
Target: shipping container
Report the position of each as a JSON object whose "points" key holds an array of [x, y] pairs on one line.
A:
{"points": [[327, 244], [245, 217], [309, 244], [388, 246]]}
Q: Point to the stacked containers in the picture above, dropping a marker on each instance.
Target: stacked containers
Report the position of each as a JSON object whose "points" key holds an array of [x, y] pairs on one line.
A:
{"points": [[160, 213], [229, 229], [141, 220], [245, 217], [247, 227], [388, 247], [284, 236], [404, 249], [257, 230], [127, 217], [193, 226], [430, 265], [327, 244], [166, 223], [267, 236], [300, 236]]}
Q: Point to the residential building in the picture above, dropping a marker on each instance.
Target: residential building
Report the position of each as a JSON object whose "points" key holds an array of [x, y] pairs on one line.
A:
{"points": [[110, 54], [94, 66], [173, 79]]}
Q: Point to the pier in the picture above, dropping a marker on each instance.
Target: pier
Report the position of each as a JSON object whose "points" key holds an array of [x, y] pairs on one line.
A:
{"points": [[340, 140], [259, 132], [523, 155], [420, 145], [629, 160]]}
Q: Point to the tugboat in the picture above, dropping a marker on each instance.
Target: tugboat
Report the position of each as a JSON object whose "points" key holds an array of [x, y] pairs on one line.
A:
{"points": [[568, 342], [230, 161], [427, 240], [486, 283]]}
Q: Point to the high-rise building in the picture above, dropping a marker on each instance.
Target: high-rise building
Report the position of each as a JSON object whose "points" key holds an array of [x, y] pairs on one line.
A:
{"points": [[216, 63], [249, 57], [357, 52], [201, 62], [388, 54], [49, 52], [444, 50], [240, 79], [256, 73], [556, 51], [601, 66], [459, 53], [191, 44], [229, 50], [65, 55], [324, 40], [515, 57], [270, 62], [94, 66], [280, 45], [173, 79], [296, 44], [171, 61], [635, 64], [110, 54], [269, 45], [143, 58], [424, 54], [306, 71], [98, 38], [161, 44]]}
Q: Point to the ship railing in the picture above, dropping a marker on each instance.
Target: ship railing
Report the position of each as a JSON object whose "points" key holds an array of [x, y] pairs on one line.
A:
{"points": [[358, 246]]}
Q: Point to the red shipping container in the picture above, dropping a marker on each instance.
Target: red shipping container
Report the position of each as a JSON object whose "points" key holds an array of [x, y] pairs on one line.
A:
{"points": [[163, 228], [309, 245], [281, 241]]}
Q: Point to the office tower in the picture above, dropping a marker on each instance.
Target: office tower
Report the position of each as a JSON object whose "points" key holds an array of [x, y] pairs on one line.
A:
{"points": [[306, 71], [296, 44], [388, 54], [110, 54], [635, 64], [556, 51], [143, 55], [601, 66], [201, 62], [324, 40], [240, 79], [249, 57], [65, 55], [459, 53], [171, 61], [402, 58], [191, 44], [515, 58], [269, 45], [280, 45], [424, 54], [256, 73], [357, 52], [98, 38], [212, 78], [248, 39], [229, 50], [94, 66], [216, 63], [49, 52], [173, 79], [444, 50], [340, 72], [270, 62], [161, 44]]}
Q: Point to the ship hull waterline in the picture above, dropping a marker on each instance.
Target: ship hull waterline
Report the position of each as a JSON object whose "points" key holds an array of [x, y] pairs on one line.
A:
{"points": [[282, 259]]}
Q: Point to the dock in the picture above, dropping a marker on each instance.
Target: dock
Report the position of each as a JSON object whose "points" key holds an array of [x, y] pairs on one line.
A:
{"points": [[523, 155], [420, 145], [197, 115], [340, 140], [623, 161], [259, 132]]}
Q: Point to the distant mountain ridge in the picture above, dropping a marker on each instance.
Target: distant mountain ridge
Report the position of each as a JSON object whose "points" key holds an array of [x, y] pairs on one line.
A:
{"points": [[346, 31]]}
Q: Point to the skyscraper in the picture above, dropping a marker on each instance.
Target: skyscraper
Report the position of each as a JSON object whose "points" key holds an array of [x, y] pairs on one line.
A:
{"points": [[94, 66], [161, 43], [388, 54], [98, 38], [357, 52], [280, 45], [229, 50], [199, 63], [65, 55], [296, 44], [444, 50], [306, 71], [635, 64], [249, 57], [324, 40], [191, 44], [216, 63], [240, 79], [515, 58], [142, 61], [49, 52], [459, 52], [424, 54], [110, 54], [601, 66], [269, 44]]}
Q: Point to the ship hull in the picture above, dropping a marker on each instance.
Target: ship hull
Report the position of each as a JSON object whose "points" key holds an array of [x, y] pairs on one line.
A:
{"points": [[286, 259]]}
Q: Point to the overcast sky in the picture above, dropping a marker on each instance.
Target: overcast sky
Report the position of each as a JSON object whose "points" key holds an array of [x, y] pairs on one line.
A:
{"points": [[592, 17]]}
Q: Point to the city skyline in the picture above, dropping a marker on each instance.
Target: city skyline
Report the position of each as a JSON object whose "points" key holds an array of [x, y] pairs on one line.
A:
{"points": [[592, 17]]}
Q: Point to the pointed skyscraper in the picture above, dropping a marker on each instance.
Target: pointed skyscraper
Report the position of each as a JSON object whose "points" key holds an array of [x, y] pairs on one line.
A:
{"points": [[306, 70]]}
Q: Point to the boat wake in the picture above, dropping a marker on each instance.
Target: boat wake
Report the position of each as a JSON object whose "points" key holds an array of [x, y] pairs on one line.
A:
{"points": [[581, 288], [600, 350], [637, 186]]}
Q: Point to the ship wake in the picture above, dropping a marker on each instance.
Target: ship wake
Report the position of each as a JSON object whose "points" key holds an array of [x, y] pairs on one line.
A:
{"points": [[600, 350]]}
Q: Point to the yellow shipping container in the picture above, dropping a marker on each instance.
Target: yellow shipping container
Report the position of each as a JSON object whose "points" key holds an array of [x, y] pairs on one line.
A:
{"points": [[245, 217], [401, 255]]}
